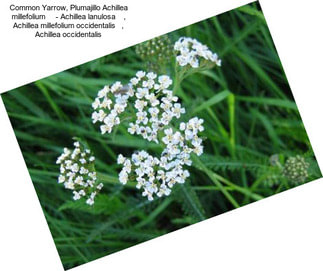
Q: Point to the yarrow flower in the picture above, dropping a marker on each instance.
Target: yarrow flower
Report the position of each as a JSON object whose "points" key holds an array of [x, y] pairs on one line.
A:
{"points": [[156, 106], [191, 52], [154, 103], [109, 104], [77, 172], [156, 176]]}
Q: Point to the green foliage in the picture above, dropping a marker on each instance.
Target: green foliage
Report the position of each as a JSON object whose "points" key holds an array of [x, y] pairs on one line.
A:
{"points": [[249, 114], [190, 202]]}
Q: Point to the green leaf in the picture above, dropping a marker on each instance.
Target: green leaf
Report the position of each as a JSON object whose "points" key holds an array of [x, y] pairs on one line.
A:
{"points": [[212, 101]]}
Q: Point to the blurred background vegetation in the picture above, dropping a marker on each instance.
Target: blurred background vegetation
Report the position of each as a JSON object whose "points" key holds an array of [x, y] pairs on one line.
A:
{"points": [[252, 128]]}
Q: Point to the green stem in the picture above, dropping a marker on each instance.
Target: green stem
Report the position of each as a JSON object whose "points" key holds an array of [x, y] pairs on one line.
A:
{"points": [[231, 105], [216, 181], [104, 178], [179, 76]]}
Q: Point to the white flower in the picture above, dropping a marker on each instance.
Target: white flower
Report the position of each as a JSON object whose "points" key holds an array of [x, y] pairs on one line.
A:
{"points": [[82, 193], [103, 92], [198, 150], [173, 149], [148, 194], [197, 123], [121, 159], [163, 190], [106, 128], [144, 131], [127, 166], [95, 116], [116, 86], [121, 99], [106, 103], [123, 177], [140, 182], [189, 52], [178, 110], [179, 179], [168, 136], [166, 118], [90, 201], [153, 111], [92, 175], [76, 195], [140, 74], [140, 104], [182, 126], [193, 61], [84, 170], [69, 185], [92, 158], [76, 168], [109, 104], [82, 161], [79, 180], [196, 141], [148, 84], [151, 75], [76, 144], [164, 81], [152, 99], [134, 81], [132, 128], [61, 179], [111, 120], [141, 92], [141, 117], [186, 160], [185, 174], [182, 60]]}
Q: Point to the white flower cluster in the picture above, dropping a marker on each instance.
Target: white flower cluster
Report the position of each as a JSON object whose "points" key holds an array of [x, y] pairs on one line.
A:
{"points": [[154, 107], [154, 104], [77, 172], [109, 104], [156, 176], [189, 52]]}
